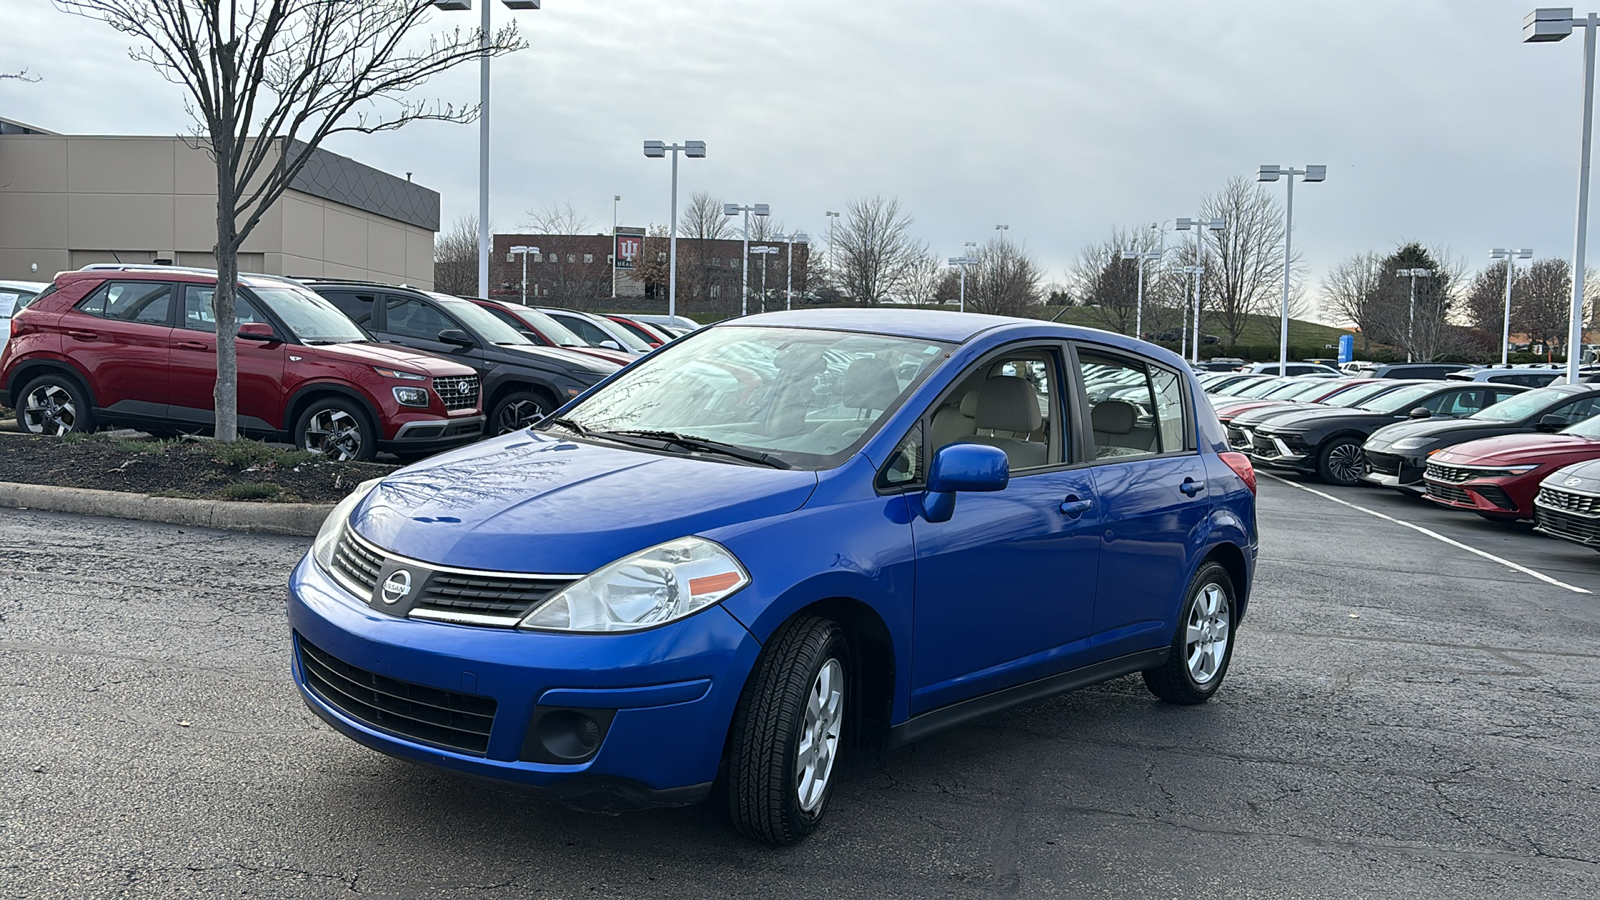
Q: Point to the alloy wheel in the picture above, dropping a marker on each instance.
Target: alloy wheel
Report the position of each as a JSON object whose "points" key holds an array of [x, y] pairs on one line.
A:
{"points": [[517, 415], [49, 409], [1347, 462], [819, 735], [335, 434], [1206, 638]]}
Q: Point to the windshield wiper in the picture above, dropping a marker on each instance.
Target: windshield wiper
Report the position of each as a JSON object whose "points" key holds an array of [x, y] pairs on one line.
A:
{"points": [[567, 424], [700, 444]]}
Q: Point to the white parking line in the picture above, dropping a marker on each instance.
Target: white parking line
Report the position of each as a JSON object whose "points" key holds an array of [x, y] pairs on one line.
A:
{"points": [[1433, 534]]}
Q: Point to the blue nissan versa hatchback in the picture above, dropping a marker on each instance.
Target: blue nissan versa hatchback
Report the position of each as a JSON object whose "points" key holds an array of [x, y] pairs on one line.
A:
{"points": [[776, 536]]}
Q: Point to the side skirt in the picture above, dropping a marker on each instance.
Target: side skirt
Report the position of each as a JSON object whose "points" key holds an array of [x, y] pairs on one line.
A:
{"points": [[935, 720]]}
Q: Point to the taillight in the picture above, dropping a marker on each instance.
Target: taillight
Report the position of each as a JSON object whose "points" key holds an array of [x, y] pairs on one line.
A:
{"points": [[1240, 464]]}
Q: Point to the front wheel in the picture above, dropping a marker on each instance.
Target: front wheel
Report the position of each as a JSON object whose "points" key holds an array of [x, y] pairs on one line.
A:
{"points": [[786, 733], [338, 429], [515, 412], [1203, 644], [1341, 462], [54, 404]]}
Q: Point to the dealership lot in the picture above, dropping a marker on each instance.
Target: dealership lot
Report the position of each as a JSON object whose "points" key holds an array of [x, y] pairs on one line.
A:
{"points": [[1402, 715]]}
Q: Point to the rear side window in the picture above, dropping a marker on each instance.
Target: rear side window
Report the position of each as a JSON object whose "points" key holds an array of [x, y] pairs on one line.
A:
{"points": [[1123, 407], [357, 306], [145, 302]]}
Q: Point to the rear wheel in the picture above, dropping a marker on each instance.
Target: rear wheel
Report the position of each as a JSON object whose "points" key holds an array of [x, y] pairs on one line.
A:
{"points": [[54, 404], [338, 429], [1341, 461], [1203, 644], [786, 733]]}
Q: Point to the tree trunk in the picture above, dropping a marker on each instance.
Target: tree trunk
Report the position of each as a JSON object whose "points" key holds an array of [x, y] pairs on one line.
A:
{"points": [[225, 396]]}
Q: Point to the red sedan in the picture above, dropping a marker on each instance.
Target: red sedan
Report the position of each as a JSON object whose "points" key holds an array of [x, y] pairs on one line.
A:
{"points": [[1498, 477]]}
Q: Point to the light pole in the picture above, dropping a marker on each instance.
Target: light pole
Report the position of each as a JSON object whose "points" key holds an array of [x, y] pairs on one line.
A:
{"points": [[523, 251], [832, 218], [1199, 226], [961, 262], [1411, 327], [788, 269], [1138, 309], [615, 199], [657, 150], [764, 251], [1308, 174], [483, 128], [1510, 256], [1183, 346], [734, 209], [1553, 24]]}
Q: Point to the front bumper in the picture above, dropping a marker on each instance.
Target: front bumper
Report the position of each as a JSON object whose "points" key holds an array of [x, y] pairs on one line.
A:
{"points": [[663, 699], [1395, 470], [433, 435], [1274, 452], [1486, 496]]}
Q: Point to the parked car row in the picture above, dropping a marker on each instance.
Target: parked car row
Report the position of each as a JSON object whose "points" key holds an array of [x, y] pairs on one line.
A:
{"points": [[343, 368], [1505, 451]]}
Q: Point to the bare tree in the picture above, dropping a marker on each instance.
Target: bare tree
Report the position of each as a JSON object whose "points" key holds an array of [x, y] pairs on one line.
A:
{"points": [[922, 279], [1541, 300], [455, 258], [1244, 261], [1108, 284], [876, 252], [1350, 292], [1005, 282], [268, 81], [558, 218], [19, 76]]}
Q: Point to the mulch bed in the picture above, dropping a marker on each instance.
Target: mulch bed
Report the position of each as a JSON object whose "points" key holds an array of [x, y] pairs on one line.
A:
{"points": [[194, 468]]}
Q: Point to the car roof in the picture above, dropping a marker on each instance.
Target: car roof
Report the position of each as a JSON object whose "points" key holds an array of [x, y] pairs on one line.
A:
{"points": [[933, 325], [146, 272]]}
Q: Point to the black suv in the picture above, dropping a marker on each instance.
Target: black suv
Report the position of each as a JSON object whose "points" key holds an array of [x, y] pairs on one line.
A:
{"points": [[522, 382]]}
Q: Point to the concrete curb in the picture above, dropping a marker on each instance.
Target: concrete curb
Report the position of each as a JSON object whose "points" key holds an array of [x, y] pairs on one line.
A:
{"points": [[299, 519]]}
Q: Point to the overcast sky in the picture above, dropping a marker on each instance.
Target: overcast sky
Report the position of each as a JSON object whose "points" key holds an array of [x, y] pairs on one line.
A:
{"points": [[1059, 119]]}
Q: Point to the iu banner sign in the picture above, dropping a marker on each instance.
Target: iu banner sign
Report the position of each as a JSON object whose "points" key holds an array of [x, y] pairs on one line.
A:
{"points": [[630, 246]]}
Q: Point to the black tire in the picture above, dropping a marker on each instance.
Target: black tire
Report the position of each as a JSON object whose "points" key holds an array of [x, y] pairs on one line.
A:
{"points": [[1340, 461], [1176, 681], [763, 772], [518, 410], [54, 404], [338, 429]]}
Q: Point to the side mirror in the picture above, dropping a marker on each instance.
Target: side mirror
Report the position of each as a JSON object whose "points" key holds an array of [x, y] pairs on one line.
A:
{"points": [[1551, 423], [457, 337], [962, 467], [534, 336], [1422, 412], [611, 345], [256, 331]]}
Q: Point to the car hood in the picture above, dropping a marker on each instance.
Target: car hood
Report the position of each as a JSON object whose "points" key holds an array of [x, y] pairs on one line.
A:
{"points": [[387, 355], [563, 358], [1584, 477], [529, 502], [1314, 417], [1443, 430], [1521, 449], [616, 356]]}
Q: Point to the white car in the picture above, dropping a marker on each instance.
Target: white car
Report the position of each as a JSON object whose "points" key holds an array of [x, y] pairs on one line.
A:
{"points": [[14, 295]]}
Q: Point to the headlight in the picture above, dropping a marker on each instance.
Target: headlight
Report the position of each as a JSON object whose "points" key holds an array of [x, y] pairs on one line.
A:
{"points": [[652, 587], [1412, 443], [396, 373], [411, 396], [328, 537], [1505, 471]]}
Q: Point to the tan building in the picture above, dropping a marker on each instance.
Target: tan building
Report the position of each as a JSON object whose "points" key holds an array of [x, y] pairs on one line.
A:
{"points": [[70, 200]]}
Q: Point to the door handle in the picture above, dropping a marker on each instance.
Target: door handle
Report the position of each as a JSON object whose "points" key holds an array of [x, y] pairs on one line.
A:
{"points": [[1191, 487], [193, 345], [84, 335], [1074, 507]]}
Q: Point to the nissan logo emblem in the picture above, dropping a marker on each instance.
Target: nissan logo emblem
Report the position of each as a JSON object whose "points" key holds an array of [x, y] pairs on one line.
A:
{"points": [[395, 587]]}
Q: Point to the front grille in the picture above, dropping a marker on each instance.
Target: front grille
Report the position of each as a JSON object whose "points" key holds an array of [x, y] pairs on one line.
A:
{"points": [[1447, 473], [1449, 492], [427, 715], [1581, 504], [463, 596], [1263, 447], [1565, 525], [1383, 463], [457, 391], [1240, 438]]}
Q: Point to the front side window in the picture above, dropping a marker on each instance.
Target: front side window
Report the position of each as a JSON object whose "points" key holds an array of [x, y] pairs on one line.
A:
{"points": [[1008, 403], [358, 306], [807, 398], [410, 317], [146, 302], [200, 315]]}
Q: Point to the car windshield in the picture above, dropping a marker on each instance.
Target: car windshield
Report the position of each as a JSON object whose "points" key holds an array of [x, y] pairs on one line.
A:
{"points": [[310, 318], [1358, 394], [1588, 428], [557, 333], [1262, 388], [1519, 406], [1396, 401], [1233, 388], [480, 320], [1303, 390], [808, 398]]}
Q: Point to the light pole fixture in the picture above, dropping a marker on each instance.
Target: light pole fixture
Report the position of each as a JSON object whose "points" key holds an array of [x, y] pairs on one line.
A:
{"points": [[962, 262], [1138, 308], [764, 251], [658, 150], [1411, 327], [734, 209], [1308, 174], [788, 269], [1199, 226], [1554, 24], [523, 251], [1183, 345], [1510, 256], [483, 127]]}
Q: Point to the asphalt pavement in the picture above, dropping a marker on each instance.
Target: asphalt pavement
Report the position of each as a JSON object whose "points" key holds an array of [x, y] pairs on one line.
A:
{"points": [[1403, 717]]}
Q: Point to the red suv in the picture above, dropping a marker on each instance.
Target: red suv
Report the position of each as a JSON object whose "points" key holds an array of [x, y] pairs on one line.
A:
{"points": [[136, 346]]}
